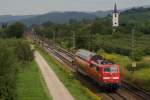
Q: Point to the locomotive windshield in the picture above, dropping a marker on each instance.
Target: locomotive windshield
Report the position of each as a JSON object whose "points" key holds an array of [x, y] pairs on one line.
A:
{"points": [[111, 69], [107, 70]]}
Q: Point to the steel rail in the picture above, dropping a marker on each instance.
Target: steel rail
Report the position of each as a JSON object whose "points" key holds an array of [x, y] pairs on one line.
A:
{"points": [[137, 91], [114, 96]]}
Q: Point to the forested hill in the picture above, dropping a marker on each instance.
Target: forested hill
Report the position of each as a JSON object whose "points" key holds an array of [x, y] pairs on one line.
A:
{"points": [[55, 17], [59, 17], [135, 15], [7, 18], [140, 14], [128, 16]]}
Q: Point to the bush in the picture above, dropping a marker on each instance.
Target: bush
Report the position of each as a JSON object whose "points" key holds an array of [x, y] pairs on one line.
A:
{"points": [[15, 30], [139, 55], [143, 65], [12, 54], [23, 51]]}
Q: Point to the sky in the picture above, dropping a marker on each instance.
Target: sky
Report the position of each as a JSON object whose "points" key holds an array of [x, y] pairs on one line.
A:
{"points": [[28, 7]]}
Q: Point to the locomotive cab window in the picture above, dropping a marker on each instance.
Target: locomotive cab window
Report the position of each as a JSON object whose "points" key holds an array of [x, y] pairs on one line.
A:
{"points": [[111, 69], [107, 70], [114, 69]]}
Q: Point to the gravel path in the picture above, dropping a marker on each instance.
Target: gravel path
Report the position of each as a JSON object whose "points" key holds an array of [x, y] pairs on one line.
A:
{"points": [[55, 86]]}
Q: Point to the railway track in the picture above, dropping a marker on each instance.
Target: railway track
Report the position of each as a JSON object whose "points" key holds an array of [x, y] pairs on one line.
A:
{"points": [[134, 93], [116, 96], [140, 92]]}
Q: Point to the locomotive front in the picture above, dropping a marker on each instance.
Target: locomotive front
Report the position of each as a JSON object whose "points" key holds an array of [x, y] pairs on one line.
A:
{"points": [[109, 72], [111, 75]]}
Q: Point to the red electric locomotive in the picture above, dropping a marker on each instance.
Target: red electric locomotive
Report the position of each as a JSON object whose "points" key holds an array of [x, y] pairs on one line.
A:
{"points": [[104, 72]]}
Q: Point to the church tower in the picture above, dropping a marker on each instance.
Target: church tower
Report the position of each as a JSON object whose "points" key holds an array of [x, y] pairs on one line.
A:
{"points": [[115, 17]]}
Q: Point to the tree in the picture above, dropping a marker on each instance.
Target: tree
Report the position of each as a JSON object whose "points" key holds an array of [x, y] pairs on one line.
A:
{"points": [[8, 69], [13, 54], [16, 30], [24, 52]]}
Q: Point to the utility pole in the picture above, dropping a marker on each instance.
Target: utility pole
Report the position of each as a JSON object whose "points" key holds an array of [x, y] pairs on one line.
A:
{"points": [[133, 50], [43, 38], [74, 41], [54, 38], [34, 35], [90, 45], [91, 41]]}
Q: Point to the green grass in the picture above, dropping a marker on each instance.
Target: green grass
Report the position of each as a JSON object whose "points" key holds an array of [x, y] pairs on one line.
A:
{"points": [[75, 88], [30, 84], [142, 78]]}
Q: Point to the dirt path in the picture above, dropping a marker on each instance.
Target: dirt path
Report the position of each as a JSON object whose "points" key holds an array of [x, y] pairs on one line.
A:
{"points": [[55, 86]]}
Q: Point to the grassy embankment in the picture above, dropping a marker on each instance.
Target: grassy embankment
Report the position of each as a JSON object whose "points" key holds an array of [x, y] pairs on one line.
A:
{"points": [[140, 77], [75, 88], [30, 84]]}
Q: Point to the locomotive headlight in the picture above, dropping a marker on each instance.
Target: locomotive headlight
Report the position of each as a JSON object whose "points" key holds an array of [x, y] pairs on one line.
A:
{"points": [[115, 78], [106, 78]]}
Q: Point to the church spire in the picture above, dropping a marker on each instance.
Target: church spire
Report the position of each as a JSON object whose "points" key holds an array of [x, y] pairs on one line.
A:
{"points": [[115, 17], [115, 8]]}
